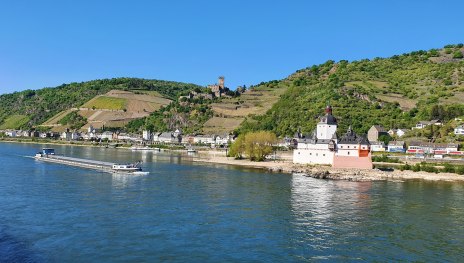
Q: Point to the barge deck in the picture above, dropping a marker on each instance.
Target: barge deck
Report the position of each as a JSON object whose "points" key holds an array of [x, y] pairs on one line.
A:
{"points": [[48, 155]]}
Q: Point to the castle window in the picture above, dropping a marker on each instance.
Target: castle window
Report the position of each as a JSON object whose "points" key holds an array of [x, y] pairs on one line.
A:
{"points": [[317, 154], [341, 147], [323, 154], [310, 153], [348, 153], [355, 147], [348, 147], [298, 152]]}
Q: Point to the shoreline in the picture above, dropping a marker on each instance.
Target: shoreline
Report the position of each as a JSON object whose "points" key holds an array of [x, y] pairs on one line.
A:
{"points": [[327, 172], [286, 166]]}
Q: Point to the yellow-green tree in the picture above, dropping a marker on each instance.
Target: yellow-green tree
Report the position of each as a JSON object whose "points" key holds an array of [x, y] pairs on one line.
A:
{"points": [[255, 145], [238, 147]]}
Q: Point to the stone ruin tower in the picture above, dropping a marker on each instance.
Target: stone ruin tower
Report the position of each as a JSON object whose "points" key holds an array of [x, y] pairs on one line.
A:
{"points": [[218, 89]]}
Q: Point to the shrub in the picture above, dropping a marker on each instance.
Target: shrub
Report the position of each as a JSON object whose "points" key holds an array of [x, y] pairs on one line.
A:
{"points": [[406, 167], [458, 54], [460, 169], [429, 169], [448, 168]]}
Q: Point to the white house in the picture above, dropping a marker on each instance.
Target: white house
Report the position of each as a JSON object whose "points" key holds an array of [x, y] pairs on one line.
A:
{"points": [[396, 146], [205, 139], [66, 135], [459, 130], [423, 124], [91, 129], [75, 136], [25, 134], [155, 136], [187, 139], [378, 147], [107, 135], [11, 133], [223, 139], [401, 132], [392, 132], [44, 135], [168, 137], [146, 135]]}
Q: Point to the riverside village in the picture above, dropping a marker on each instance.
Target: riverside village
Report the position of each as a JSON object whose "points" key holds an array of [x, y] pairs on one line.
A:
{"points": [[321, 147]]}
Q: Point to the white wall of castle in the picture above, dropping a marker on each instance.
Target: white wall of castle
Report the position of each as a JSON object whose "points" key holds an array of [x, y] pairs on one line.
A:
{"points": [[325, 131], [309, 153], [313, 156], [350, 149]]}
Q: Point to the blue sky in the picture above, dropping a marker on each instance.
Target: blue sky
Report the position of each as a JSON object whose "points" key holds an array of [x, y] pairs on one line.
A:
{"points": [[48, 43]]}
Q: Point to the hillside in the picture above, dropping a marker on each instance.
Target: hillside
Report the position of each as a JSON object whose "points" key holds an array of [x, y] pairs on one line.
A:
{"points": [[113, 109], [394, 92], [217, 116], [34, 107]]}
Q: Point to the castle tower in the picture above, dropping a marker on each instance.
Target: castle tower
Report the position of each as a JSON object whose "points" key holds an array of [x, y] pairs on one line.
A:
{"points": [[327, 127], [221, 82]]}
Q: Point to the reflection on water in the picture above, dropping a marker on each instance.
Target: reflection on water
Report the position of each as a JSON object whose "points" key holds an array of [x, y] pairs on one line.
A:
{"points": [[192, 212], [121, 180], [412, 221]]}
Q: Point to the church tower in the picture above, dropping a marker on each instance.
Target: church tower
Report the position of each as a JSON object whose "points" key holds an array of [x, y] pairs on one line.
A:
{"points": [[327, 127]]}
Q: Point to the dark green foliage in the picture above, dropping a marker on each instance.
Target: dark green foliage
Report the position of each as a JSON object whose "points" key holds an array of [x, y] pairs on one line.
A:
{"points": [[448, 168], [355, 89], [416, 167], [385, 159], [460, 169], [385, 138], [42, 104], [405, 167], [187, 114], [429, 168], [457, 54]]}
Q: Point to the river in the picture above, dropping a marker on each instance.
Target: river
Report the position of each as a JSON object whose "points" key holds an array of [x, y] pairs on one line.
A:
{"points": [[191, 212]]}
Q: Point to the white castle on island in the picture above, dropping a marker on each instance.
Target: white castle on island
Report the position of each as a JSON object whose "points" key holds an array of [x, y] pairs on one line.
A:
{"points": [[323, 146]]}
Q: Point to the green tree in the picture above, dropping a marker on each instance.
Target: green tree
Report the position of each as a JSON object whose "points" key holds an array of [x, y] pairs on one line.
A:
{"points": [[258, 145], [237, 149], [385, 138]]}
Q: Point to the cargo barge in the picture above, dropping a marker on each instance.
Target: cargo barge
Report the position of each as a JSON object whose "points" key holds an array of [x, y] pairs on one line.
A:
{"points": [[48, 155]]}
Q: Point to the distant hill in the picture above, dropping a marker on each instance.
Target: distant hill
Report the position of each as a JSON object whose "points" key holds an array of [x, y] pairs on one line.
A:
{"points": [[218, 116], [113, 109], [394, 92], [33, 107]]}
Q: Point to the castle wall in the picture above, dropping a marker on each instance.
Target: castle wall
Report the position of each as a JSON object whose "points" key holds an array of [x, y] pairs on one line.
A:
{"points": [[352, 162], [313, 156]]}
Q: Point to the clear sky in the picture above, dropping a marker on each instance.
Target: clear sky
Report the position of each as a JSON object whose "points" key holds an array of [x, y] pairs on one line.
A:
{"points": [[48, 43]]}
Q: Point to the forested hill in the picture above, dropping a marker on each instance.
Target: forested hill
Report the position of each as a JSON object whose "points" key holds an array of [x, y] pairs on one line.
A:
{"points": [[394, 92], [32, 107]]}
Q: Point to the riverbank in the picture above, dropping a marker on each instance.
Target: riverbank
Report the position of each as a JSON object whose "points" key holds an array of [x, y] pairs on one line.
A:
{"points": [[283, 165]]}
